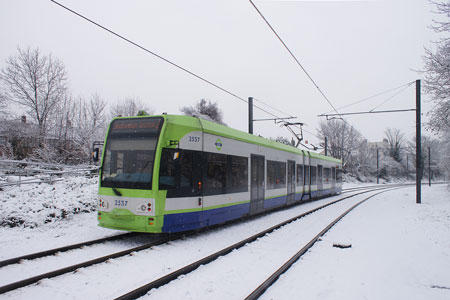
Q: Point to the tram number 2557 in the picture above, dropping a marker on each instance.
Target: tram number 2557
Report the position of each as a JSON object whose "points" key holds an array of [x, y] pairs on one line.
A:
{"points": [[120, 202]]}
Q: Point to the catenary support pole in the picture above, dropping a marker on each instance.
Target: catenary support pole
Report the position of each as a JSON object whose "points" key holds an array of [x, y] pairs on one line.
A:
{"points": [[418, 146], [326, 146], [250, 115]]}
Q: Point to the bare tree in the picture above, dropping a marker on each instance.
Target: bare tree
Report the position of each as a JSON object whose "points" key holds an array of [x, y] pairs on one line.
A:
{"points": [[343, 142], [283, 140], [2, 102], [61, 123], [76, 124], [444, 150], [437, 71], [129, 107], [96, 111], [206, 110], [395, 139], [437, 77], [89, 124], [35, 81]]}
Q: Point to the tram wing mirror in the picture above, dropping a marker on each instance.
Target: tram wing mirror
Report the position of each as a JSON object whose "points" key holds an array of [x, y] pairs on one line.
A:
{"points": [[176, 155]]}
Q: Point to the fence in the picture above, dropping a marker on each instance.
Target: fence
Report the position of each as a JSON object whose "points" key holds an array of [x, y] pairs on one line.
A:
{"points": [[18, 172]]}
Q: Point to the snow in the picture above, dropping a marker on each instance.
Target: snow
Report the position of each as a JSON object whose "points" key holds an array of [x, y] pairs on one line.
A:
{"points": [[399, 249], [36, 217]]}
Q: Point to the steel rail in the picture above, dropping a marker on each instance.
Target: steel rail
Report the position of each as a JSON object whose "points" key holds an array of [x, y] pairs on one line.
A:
{"points": [[141, 291], [353, 189], [274, 277], [51, 274], [165, 239], [34, 279], [388, 186], [49, 252]]}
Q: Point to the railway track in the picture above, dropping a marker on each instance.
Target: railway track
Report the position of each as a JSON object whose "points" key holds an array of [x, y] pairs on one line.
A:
{"points": [[112, 238], [274, 276], [162, 240], [25, 282], [160, 282], [374, 187], [49, 252], [354, 189]]}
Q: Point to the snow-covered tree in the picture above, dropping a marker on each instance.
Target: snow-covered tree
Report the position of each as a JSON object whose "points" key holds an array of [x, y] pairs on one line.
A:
{"points": [[283, 140], [35, 81], [437, 61], [129, 107], [206, 110], [343, 142], [437, 70], [395, 139], [437, 77], [2, 102]]}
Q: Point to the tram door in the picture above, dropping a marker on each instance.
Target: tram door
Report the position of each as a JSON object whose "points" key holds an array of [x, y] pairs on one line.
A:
{"points": [[291, 182], [320, 179], [257, 184]]}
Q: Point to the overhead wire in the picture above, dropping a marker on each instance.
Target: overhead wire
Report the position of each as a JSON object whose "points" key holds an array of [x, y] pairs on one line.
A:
{"points": [[180, 67], [294, 57], [390, 98], [299, 64], [159, 56], [371, 97], [274, 108]]}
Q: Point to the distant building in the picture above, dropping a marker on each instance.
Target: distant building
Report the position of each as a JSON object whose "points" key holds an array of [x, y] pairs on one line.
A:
{"points": [[19, 135]]}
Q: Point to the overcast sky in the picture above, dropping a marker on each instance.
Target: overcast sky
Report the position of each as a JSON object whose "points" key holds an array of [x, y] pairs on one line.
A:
{"points": [[352, 49]]}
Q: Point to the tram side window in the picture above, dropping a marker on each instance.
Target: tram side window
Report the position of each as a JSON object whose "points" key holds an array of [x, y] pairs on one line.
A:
{"points": [[282, 170], [186, 169], [276, 174], [270, 175], [225, 174], [168, 169], [327, 175], [339, 175], [313, 175], [300, 174], [238, 174], [176, 169], [216, 173]]}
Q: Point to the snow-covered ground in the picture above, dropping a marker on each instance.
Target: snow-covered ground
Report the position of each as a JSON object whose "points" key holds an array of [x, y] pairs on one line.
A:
{"points": [[400, 250]]}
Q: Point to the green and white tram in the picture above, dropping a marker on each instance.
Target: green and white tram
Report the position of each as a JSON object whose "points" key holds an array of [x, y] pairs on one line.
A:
{"points": [[174, 173]]}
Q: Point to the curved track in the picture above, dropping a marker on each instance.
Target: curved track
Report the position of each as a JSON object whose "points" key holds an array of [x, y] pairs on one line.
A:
{"points": [[160, 240], [273, 278], [141, 291]]}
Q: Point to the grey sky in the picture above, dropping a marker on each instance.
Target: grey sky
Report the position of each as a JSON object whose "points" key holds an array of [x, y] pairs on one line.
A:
{"points": [[352, 49]]}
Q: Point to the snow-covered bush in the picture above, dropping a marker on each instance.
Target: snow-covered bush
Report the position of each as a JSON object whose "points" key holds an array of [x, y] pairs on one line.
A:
{"points": [[32, 205]]}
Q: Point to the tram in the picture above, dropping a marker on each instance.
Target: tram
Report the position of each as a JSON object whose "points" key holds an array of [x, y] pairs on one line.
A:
{"points": [[172, 173]]}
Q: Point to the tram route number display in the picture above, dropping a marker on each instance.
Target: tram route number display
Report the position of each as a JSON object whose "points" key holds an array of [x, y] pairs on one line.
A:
{"points": [[148, 125]]}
